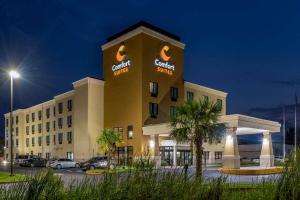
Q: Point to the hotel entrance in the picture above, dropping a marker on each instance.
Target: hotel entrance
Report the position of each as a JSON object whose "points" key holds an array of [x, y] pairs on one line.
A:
{"points": [[167, 155]]}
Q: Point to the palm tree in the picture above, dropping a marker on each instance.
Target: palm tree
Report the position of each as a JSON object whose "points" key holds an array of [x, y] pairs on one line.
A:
{"points": [[108, 140], [195, 122]]}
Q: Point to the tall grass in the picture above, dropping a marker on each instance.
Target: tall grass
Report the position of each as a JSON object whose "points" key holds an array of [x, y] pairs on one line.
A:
{"points": [[146, 182]]}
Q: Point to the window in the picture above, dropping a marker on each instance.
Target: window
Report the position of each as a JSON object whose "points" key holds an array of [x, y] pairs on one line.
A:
{"points": [[47, 126], [69, 137], [27, 118], [60, 108], [48, 140], [27, 142], [17, 131], [60, 122], [70, 155], [70, 105], [219, 104], [153, 110], [40, 140], [205, 155], [205, 98], [153, 89], [32, 141], [40, 128], [218, 155], [6, 122], [32, 117], [54, 139], [39, 155], [17, 119], [54, 124], [27, 130], [69, 120], [17, 142], [119, 130], [48, 155], [172, 111], [60, 138], [40, 115], [54, 111], [47, 113], [174, 93], [130, 132], [189, 96], [32, 129]]}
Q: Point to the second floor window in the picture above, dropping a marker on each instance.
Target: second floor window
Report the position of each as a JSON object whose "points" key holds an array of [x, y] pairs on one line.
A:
{"points": [[17, 142], [69, 120], [60, 108], [189, 96], [54, 139], [27, 130], [32, 142], [60, 122], [153, 110], [48, 140], [172, 111], [153, 89], [70, 105], [17, 131], [40, 128], [69, 137], [174, 93], [60, 138], [47, 126], [32, 129], [40, 141], [27, 142]]}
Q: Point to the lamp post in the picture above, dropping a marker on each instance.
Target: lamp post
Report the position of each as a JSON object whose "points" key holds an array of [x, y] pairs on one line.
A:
{"points": [[13, 74]]}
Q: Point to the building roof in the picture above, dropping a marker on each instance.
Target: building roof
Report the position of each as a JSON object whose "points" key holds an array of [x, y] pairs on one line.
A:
{"points": [[144, 24]]}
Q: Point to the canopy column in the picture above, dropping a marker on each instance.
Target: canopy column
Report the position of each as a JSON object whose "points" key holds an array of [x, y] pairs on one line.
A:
{"points": [[267, 156], [231, 159]]}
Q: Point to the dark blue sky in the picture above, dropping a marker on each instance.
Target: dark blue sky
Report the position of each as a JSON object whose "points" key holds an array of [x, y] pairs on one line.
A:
{"points": [[249, 49]]}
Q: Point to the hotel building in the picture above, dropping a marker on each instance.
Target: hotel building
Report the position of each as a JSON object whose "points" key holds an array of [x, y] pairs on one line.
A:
{"points": [[143, 82]]}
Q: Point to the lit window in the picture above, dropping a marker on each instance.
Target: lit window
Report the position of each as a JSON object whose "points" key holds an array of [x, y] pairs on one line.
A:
{"points": [[130, 132], [218, 155], [153, 89]]}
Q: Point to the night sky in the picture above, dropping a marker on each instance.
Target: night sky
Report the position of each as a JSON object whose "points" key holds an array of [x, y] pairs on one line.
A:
{"points": [[249, 49]]}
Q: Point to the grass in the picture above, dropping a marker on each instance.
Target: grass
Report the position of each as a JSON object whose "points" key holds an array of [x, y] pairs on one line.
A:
{"points": [[6, 178]]}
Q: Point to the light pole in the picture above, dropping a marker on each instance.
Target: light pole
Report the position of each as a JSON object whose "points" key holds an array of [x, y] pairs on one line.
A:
{"points": [[13, 74]]}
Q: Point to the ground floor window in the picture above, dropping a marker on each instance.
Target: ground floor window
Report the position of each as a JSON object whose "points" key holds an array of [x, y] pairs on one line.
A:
{"points": [[218, 155], [184, 157], [167, 155], [125, 155], [48, 155], [70, 155], [39, 155]]}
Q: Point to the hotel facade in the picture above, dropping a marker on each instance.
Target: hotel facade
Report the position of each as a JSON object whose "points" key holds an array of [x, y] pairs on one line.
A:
{"points": [[143, 82]]}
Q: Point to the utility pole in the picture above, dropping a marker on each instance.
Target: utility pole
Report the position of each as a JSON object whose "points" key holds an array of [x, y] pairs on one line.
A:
{"points": [[283, 132], [295, 134]]}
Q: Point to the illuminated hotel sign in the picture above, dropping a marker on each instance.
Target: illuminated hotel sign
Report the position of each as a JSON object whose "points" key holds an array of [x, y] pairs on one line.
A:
{"points": [[122, 65], [162, 64]]}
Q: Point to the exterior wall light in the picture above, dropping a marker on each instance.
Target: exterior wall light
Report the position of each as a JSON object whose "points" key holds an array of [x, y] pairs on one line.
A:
{"points": [[151, 144]]}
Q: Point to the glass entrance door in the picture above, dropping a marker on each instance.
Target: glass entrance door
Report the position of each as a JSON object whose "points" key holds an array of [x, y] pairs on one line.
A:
{"points": [[184, 157], [166, 154]]}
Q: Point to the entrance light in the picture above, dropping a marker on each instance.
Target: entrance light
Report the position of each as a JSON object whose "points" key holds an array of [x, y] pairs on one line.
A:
{"points": [[151, 144]]}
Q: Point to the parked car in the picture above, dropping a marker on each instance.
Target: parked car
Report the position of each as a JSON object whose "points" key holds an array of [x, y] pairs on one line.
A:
{"points": [[63, 163], [22, 158], [34, 162], [256, 160], [96, 163]]}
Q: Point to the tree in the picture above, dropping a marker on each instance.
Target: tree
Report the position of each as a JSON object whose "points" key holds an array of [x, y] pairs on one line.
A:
{"points": [[195, 122], [108, 140]]}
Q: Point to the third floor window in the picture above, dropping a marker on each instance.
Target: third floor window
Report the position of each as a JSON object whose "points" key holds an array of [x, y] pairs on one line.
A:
{"points": [[60, 108], [60, 122], [174, 93], [153, 110], [70, 105], [153, 89], [40, 115], [47, 113]]}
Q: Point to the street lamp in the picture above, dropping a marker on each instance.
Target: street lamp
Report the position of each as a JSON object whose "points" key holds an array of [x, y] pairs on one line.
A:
{"points": [[13, 75]]}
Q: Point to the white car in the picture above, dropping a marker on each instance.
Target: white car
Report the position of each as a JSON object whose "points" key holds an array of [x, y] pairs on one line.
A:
{"points": [[63, 163]]}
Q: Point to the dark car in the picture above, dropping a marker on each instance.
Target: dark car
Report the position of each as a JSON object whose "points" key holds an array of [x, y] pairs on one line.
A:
{"points": [[34, 162], [96, 162]]}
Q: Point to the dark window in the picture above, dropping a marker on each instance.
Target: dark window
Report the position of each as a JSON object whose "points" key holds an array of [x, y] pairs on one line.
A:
{"points": [[32, 141], [17, 119], [27, 130], [219, 104], [69, 121], [40, 140], [48, 140], [40, 128], [172, 111], [17, 131], [174, 93], [153, 110], [27, 118], [48, 155], [69, 137], [189, 96], [40, 115], [17, 142], [70, 105], [153, 89], [218, 155], [54, 111], [60, 108], [27, 142], [60, 122], [54, 139], [54, 125], [48, 113], [32, 117], [32, 129], [6, 122], [125, 155], [60, 138], [130, 132], [205, 155], [205, 98], [47, 126]]}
